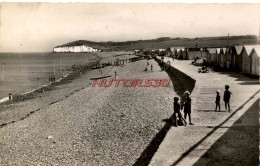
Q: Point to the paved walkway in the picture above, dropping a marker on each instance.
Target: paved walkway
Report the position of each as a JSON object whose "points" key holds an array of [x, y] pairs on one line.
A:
{"points": [[217, 137]]}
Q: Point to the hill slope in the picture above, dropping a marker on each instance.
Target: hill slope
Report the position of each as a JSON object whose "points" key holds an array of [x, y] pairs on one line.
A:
{"points": [[165, 42]]}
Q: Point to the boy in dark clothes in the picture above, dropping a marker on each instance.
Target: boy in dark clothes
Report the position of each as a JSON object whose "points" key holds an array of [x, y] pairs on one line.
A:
{"points": [[227, 95], [187, 106], [177, 112], [217, 100]]}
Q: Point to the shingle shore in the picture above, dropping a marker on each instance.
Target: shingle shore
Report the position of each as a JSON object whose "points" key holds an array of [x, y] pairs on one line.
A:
{"points": [[91, 126]]}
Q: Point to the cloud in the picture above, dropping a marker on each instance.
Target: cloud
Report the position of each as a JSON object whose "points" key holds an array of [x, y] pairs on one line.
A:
{"points": [[41, 26]]}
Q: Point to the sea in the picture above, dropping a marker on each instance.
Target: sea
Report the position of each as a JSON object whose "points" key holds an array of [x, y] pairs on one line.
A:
{"points": [[23, 72]]}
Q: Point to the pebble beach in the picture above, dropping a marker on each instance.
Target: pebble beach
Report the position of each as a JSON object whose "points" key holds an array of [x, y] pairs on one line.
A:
{"points": [[79, 124]]}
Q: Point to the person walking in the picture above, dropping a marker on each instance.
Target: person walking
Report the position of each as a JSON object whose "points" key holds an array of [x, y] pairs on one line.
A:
{"points": [[187, 106], [177, 112], [115, 75], [217, 100], [151, 67], [227, 95]]}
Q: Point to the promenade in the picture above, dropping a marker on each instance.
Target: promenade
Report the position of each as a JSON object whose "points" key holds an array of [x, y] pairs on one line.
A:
{"points": [[217, 138]]}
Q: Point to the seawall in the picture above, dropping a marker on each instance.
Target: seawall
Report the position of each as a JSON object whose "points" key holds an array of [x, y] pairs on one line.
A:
{"points": [[181, 81]]}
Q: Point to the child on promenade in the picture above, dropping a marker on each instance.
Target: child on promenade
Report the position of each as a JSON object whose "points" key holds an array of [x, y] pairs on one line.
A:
{"points": [[187, 106], [217, 100], [177, 112], [227, 95]]}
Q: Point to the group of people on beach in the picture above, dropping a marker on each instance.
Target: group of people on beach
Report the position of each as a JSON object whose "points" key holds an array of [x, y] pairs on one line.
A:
{"points": [[146, 67], [186, 106], [52, 78]]}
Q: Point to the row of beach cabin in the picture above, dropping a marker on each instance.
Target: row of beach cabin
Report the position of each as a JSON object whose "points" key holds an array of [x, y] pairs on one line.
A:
{"points": [[245, 59]]}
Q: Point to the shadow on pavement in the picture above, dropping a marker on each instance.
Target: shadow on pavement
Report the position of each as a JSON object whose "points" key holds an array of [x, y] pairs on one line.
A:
{"points": [[211, 111], [250, 83], [240, 77], [185, 154], [239, 145]]}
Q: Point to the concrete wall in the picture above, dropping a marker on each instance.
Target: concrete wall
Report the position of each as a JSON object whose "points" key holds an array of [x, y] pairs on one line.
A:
{"points": [[181, 81]]}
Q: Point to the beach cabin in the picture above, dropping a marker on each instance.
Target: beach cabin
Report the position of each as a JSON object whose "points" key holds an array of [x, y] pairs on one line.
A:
{"points": [[162, 51], [229, 58], [213, 55], [238, 58], [182, 53], [224, 59], [220, 57], [192, 53], [246, 68], [255, 61], [203, 53], [179, 52]]}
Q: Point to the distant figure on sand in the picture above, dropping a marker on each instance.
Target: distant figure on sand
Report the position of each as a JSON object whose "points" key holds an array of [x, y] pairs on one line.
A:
{"points": [[151, 67], [177, 112], [115, 75], [145, 69], [187, 106], [227, 95], [217, 100]]}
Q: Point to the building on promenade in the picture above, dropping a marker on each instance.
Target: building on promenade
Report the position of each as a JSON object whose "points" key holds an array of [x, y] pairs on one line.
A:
{"points": [[238, 58], [179, 52], [246, 68], [193, 53], [213, 55], [255, 61]]}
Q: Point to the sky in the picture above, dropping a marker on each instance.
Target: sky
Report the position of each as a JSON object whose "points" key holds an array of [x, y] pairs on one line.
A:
{"points": [[38, 27]]}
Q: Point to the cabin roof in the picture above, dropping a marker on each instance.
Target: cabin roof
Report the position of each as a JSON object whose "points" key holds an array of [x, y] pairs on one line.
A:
{"points": [[248, 49], [218, 50], [224, 50], [257, 50], [212, 50], [238, 49]]}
